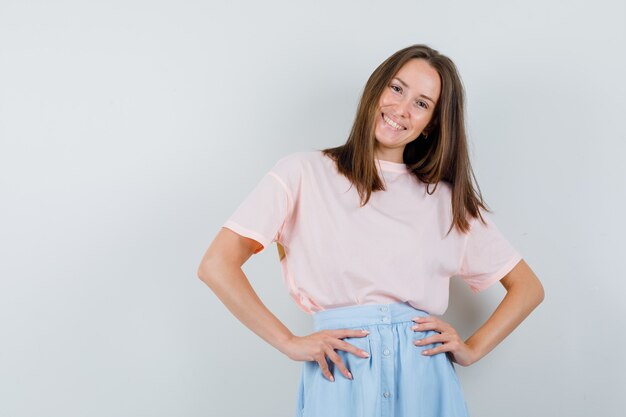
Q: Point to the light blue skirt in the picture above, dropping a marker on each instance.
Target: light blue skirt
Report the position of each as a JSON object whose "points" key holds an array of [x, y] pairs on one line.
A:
{"points": [[395, 381]]}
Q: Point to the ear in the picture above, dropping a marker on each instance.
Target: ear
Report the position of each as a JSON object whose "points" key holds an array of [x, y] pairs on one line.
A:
{"points": [[429, 127]]}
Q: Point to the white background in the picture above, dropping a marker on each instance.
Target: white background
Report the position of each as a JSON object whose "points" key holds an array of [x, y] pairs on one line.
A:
{"points": [[130, 130]]}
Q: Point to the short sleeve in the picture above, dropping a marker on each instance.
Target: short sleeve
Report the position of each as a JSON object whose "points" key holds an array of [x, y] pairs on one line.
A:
{"points": [[487, 255], [263, 212]]}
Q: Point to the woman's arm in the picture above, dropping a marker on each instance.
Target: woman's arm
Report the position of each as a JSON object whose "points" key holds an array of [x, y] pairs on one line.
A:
{"points": [[524, 293], [220, 269]]}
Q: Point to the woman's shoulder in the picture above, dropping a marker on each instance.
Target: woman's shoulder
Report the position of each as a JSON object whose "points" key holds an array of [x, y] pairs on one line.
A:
{"points": [[293, 157], [297, 162]]}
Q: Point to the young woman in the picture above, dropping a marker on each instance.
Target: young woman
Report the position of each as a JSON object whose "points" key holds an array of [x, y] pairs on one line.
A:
{"points": [[369, 234]]}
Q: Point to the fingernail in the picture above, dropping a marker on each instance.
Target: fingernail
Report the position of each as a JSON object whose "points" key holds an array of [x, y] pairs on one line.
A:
{"points": [[367, 355], [349, 375], [332, 378], [365, 331]]}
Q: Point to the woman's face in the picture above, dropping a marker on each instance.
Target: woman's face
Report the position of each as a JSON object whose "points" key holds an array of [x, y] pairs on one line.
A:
{"points": [[406, 106]]}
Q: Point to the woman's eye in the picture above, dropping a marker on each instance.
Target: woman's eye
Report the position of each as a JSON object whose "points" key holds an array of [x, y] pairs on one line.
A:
{"points": [[393, 87], [422, 102]]}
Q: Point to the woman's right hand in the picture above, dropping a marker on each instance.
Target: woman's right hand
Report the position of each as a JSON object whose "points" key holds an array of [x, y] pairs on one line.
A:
{"points": [[318, 345]]}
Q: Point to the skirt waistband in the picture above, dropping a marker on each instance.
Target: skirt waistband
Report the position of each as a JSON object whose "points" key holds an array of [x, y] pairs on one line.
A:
{"points": [[365, 315]]}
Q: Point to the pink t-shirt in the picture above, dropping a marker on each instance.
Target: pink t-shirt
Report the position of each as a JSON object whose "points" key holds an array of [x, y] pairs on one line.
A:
{"points": [[392, 249]]}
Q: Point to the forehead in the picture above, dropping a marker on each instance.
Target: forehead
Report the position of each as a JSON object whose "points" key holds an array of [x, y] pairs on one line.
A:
{"points": [[420, 77]]}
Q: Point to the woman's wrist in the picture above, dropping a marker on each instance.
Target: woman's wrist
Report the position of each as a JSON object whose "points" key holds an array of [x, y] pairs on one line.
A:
{"points": [[475, 353], [284, 342]]}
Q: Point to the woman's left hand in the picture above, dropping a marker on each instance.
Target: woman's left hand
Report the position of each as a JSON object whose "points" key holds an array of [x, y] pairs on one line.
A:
{"points": [[460, 352]]}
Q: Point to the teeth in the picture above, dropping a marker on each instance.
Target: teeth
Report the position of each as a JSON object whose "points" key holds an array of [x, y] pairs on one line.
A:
{"points": [[392, 123]]}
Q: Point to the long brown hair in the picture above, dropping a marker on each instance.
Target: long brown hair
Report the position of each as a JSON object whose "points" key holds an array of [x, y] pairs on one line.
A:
{"points": [[442, 155]]}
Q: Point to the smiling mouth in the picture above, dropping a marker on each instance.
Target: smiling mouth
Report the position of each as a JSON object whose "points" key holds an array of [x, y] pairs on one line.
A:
{"points": [[391, 123]]}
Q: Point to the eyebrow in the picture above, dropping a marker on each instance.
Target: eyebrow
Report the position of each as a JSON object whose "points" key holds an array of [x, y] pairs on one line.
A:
{"points": [[421, 95]]}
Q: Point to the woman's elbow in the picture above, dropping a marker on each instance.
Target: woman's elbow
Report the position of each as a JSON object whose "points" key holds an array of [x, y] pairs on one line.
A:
{"points": [[227, 250], [204, 270], [533, 290], [535, 286], [523, 279], [540, 293]]}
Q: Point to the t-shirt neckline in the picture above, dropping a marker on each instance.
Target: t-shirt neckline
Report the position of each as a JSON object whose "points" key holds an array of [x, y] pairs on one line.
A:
{"points": [[400, 167], [392, 166]]}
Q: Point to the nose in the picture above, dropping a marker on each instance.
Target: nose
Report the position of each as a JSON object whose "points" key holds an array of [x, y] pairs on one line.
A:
{"points": [[402, 107]]}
